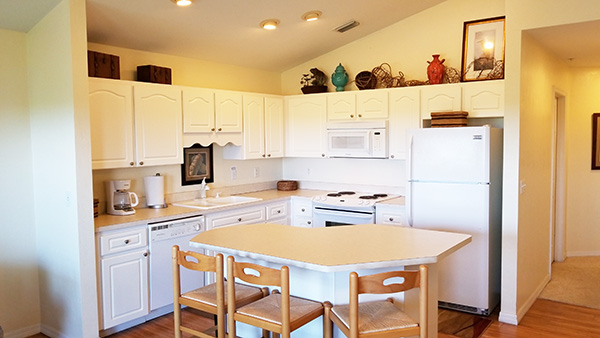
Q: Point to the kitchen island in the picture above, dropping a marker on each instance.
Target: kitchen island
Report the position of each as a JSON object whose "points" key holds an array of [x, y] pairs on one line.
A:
{"points": [[320, 259]]}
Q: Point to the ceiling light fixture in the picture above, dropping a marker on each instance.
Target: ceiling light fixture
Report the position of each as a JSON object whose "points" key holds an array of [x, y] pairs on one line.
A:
{"points": [[269, 24], [182, 3], [311, 16]]}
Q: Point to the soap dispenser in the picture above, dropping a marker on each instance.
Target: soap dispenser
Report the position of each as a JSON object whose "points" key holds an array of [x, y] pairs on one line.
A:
{"points": [[203, 188]]}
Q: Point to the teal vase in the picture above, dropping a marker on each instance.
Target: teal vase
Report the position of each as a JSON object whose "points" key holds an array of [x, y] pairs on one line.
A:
{"points": [[339, 78]]}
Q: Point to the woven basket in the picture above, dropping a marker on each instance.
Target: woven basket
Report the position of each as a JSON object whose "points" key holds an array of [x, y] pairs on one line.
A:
{"points": [[287, 185]]}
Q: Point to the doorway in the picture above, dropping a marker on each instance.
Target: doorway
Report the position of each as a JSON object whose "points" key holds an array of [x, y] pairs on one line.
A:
{"points": [[559, 177]]}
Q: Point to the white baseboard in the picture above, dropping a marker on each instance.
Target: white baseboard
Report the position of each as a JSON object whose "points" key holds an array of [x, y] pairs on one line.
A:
{"points": [[514, 319], [582, 253], [23, 332], [508, 318]]}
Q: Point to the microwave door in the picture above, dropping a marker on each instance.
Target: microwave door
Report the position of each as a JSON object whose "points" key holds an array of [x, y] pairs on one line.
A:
{"points": [[349, 144]]}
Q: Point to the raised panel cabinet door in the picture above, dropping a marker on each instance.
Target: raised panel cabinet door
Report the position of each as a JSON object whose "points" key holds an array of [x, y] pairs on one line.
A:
{"points": [[254, 126], [404, 115], [198, 110], [341, 107], [440, 98], [111, 124], [372, 104], [483, 98], [228, 112], [124, 288], [305, 126], [158, 125], [274, 127]]}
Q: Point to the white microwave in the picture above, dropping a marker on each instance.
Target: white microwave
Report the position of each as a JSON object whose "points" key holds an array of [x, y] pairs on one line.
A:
{"points": [[357, 139]]}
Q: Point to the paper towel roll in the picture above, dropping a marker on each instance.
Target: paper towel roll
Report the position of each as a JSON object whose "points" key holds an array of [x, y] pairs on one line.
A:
{"points": [[155, 191]]}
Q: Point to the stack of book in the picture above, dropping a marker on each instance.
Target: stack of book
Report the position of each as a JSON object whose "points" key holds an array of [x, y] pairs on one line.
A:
{"points": [[449, 119]]}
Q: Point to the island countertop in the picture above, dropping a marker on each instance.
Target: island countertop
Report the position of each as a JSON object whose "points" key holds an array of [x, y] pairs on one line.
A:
{"points": [[331, 249]]}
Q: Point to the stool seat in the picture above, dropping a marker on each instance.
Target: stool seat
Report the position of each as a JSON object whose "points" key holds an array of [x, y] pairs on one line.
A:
{"points": [[269, 308], [375, 317], [244, 294]]}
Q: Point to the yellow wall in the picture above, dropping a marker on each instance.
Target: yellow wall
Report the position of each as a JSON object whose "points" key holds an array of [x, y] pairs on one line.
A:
{"points": [[583, 188], [195, 72], [18, 252]]}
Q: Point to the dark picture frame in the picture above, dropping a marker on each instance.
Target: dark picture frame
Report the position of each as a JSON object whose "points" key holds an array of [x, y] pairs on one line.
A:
{"points": [[483, 49], [595, 141], [197, 165]]}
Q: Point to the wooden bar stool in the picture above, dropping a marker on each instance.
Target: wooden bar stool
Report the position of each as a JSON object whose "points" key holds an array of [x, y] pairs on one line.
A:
{"points": [[380, 318], [210, 298], [279, 312]]}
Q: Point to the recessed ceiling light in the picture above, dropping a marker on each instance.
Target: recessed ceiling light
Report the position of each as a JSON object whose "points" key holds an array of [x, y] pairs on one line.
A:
{"points": [[311, 16], [182, 3], [269, 24]]}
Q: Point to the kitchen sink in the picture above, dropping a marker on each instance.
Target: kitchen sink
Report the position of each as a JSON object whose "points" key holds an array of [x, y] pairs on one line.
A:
{"points": [[214, 202]]}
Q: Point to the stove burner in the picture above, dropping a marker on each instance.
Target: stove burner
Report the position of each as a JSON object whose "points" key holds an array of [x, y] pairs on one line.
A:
{"points": [[346, 193], [380, 195], [368, 197], [334, 194]]}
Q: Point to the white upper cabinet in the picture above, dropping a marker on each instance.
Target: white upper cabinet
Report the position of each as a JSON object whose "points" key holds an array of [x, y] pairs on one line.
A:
{"points": [[372, 104], [439, 98], [254, 126], [158, 125], [483, 98], [212, 116], [404, 115], [111, 122], [341, 106], [274, 127], [134, 124], [305, 125]]}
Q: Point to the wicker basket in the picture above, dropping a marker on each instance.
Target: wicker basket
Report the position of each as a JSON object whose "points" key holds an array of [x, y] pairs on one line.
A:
{"points": [[287, 185]]}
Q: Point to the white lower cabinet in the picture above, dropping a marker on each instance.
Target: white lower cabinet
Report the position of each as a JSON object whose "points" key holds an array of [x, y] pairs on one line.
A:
{"points": [[301, 212], [123, 275], [391, 214], [278, 213]]}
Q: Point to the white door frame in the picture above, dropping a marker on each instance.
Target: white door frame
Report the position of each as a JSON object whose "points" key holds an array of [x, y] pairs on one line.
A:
{"points": [[559, 179]]}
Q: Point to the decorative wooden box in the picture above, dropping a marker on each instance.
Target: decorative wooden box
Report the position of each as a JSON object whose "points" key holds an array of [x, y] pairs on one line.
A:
{"points": [[449, 119], [154, 74], [103, 65]]}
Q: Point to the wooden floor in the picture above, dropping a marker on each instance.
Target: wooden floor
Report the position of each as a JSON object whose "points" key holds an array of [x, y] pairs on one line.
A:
{"points": [[545, 319]]}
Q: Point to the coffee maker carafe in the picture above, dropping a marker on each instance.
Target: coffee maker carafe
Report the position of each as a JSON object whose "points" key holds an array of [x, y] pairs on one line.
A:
{"points": [[119, 198]]}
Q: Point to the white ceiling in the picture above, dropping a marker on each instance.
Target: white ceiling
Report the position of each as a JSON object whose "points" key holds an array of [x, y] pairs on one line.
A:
{"points": [[227, 31]]}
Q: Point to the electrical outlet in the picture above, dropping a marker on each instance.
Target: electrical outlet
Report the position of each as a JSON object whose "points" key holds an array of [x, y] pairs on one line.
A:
{"points": [[307, 171], [256, 172], [233, 173]]}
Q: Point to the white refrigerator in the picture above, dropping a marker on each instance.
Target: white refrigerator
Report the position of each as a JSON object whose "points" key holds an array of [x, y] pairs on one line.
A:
{"points": [[455, 184]]}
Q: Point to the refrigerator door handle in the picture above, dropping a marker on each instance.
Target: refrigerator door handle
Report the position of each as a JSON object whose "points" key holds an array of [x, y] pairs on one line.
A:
{"points": [[409, 181]]}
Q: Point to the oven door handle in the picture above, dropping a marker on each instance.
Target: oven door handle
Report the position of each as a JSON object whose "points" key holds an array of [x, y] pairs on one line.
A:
{"points": [[363, 214]]}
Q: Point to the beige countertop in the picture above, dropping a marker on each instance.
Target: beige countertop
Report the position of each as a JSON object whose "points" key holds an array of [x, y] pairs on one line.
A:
{"points": [[330, 249], [144, 216]]}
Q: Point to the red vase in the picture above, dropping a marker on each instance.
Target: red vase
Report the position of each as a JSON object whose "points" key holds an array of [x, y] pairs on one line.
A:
{"points": [[435, 70]]}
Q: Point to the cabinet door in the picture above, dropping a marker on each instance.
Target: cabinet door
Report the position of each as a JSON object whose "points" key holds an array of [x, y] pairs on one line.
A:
{"points": [[124, 288], [158, 125], [228, 109], [301, 212], [440, 98], [305, 125], [198, 110], [390, 214], [404, 115], [274, 127], [483, 98], [341, 107], [372, 104], [111, 124], [254, 126]]}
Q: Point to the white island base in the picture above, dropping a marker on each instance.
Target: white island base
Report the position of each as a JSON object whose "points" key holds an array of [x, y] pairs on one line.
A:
{"points": [[320, 260]]}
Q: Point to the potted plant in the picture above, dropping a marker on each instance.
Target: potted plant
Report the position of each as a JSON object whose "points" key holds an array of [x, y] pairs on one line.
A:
{"points": [[315, 82]]}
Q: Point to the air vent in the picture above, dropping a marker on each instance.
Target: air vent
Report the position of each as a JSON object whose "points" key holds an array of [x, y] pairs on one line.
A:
{"points": [[347, 26]]}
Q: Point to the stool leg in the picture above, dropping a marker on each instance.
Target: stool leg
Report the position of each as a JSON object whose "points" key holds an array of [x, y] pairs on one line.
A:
{"points": [[327, 324]]}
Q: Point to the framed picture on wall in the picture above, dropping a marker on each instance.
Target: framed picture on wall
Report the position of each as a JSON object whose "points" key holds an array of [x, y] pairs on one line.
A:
{"points": [[483, 49], [197, 165], [595, 141]]}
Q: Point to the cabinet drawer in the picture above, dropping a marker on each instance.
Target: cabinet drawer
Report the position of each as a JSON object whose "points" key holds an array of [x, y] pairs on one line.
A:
{"points": [[113, 242], [244, 217], [276, 211], [301, 207], [303, 222]]}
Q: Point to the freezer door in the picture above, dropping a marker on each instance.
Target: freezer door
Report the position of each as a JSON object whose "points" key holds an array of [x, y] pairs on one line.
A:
{"points": [[462, 208], [449, 154]]}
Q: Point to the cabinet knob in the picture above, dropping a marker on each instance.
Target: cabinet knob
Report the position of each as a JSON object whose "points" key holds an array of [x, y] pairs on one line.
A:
{"points": [[351, 116], [322, 155], [132, 163], [279, 211], [269, 155], [359, 115], [145, 254], [263, 155], [126, 241], [392, 156], [212, 129], [309, 222], [239, 219], [220, 129], [391, 219], [303, 210], [141, 162]]}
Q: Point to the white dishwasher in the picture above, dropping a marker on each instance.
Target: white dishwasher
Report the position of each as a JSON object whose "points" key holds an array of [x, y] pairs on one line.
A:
{"points": [[163, 235]]}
